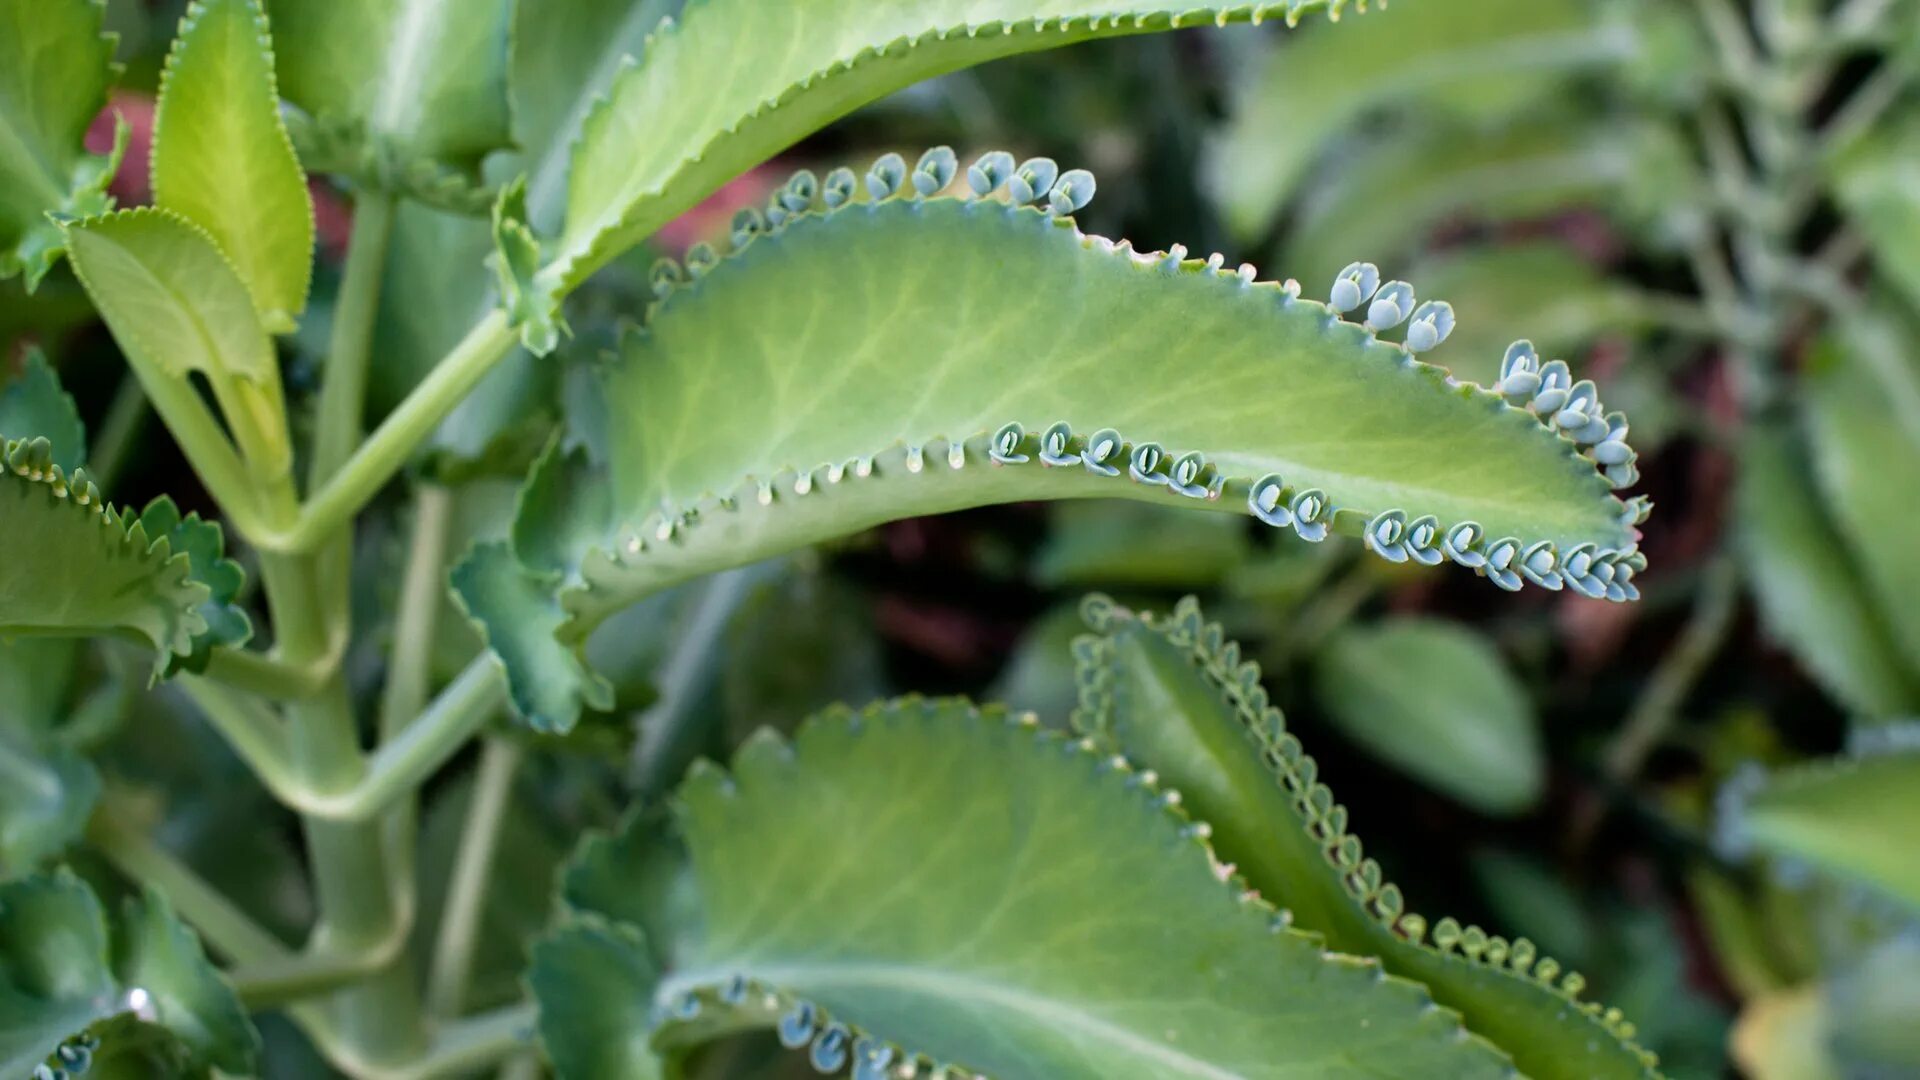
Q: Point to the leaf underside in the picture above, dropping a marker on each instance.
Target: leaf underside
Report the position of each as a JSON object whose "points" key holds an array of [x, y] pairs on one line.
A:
{"points": [[769, 74], [950, 831], [1173, 695]]}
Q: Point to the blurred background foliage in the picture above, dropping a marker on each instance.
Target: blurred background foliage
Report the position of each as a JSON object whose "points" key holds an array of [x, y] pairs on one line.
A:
{"points": [[1712, 209]]}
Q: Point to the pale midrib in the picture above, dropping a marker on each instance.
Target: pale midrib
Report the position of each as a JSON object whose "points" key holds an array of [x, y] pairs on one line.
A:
{"points": [[47, 191], [957, 987], [400, 98]]}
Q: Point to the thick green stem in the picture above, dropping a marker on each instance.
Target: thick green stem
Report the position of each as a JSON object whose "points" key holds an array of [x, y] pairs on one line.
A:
{"points": [[472, 865]]}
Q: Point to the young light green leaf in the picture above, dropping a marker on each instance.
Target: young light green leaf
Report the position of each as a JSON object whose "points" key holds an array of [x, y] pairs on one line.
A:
{"points": [[221, 158], [760, 411], [405, 95], [1436, 700], [1866, 450], [76, 566], [770, 75], [178, 308], [1810, 594], [530, 302], [55, 978], [56, 62], [1173, 695], [1850, 817], [1309, 88], [918, 815], [34, 406]]}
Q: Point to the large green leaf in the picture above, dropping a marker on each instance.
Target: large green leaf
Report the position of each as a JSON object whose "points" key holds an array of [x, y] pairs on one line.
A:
{"points": [[905, 357], [34, 406], [1810, 594], [74, 565], [1852, 817], [1435, 699], [1174, 696], [178, 308], [928, 882], [1309, 88], [736, 81], [47, 792], [61, 995], [56, 63], [1878, 184], [1862, 389], [408, 95], [221, 158]]}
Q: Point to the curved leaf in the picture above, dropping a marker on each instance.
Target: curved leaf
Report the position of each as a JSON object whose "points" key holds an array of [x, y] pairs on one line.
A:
{"points": [[951, 831], [1173, 695], [1436, 700], [205, 546], [73, 565], [221, 158], [1859, 386], [595, 981], [34, 406], [1810, 594], [1851, 817], [56, 62], [48, 792], [1310, 88], [824, 379], [55, 977], [770, 74], [408, 95], [161, 959]]}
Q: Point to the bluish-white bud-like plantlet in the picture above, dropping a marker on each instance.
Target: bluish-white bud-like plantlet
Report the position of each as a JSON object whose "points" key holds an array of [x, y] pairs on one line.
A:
{"points": [[1070, 193], [1519, 373], [748, 224], [1055, 445], [665, 277], [886, 176], [1462, 544], [701, 258], [797, 196], [1032, 179], [871, 1059], [1354, 286], [935, 171], [1622, 588], [1310, 513], [1541, 565], [1104, 452], [1423, 541], [987, 174], [1556, 382], [1432, 323], [1267, 500], [829, 1052], [796, 1026], [1579, 569], [1390, 307], [1581, 407], [1188, 476], [1144, 465], [1612, 449], [1006, 446], [1385, 535], [1499, 568], [1624, 475], [838, 191], [776, 214]]}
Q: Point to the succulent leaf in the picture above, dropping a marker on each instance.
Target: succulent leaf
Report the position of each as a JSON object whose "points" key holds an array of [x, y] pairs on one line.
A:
{"points": [[74, 565], [1173, 694], [530, 303], [205, 546], [650, 150], [948, 801], [1408, 51], [56, 62], [222, 160], [35, 406]]}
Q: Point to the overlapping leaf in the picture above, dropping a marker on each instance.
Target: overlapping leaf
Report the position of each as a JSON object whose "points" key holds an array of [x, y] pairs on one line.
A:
{"points": [[828, 377], [34, 406], [1173, 695], [56, 63], [936, 825]]}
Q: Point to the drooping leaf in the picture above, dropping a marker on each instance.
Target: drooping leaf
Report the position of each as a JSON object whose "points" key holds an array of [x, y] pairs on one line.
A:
{"points": [[1852, 817], [760, 411], [1309, 88], [162, 958], [520, 621], [1436, 700], [221, 158], [178, 308], [73, 565], [1173, 695], [937, 823], [56, 62], [205, 545], [1862, 388], [768, 75], [406, 95], [1811, 595], [34, 406]]}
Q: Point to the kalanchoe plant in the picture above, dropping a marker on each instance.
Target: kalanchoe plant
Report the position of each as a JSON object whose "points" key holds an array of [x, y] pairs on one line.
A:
{"points": [[503, 477]]}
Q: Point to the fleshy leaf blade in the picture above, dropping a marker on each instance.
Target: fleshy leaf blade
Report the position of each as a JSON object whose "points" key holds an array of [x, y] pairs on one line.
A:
{"points": [[205, 546], [1173, 695], [56, 63], [55, 977], [161, 957], [222, 159], [35, 406]]}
